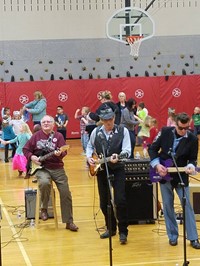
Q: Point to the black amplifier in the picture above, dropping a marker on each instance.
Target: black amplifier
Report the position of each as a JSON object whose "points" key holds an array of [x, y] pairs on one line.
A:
{"points": [[137, 177], [135, 166]]}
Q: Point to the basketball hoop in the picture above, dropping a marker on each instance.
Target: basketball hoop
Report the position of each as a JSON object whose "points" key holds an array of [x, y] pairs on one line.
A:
{"points": [[134, 41]]}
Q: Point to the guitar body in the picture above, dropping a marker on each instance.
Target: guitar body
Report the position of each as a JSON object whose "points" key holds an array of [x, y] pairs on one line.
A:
{"points": [[33, 167], [99, 161], [154, 176], [94, 168]]}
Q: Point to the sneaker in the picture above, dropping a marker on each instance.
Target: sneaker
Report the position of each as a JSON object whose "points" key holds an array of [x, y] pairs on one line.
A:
{"points": [[72, 227], [173, 242], [122, 238], [20, 173], [195, 244], [44, 214], [106, 234]]}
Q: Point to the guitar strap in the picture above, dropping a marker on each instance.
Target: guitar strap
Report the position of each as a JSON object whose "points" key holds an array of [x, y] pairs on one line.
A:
{"points": [[49, 141]]}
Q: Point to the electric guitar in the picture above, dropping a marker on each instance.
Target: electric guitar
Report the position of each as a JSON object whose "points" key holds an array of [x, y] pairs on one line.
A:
{"points": [[155, 177], [99, 161], [33, 167]]}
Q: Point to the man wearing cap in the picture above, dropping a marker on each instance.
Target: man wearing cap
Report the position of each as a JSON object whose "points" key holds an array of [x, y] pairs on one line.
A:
{"points": [[115, 141]]}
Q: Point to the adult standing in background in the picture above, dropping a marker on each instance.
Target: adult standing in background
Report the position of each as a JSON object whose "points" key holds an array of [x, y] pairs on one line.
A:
{"points": [[129, 121], [37, 107], [61, 121], [122, 103], [106, 101]]}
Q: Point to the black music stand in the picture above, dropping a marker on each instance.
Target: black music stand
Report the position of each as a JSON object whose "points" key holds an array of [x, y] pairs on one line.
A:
{"points": [[185, 263], [110, 200], [0, 237]]}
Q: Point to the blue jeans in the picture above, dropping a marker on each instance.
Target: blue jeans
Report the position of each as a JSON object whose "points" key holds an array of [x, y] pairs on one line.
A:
{"points": [[84, 140], [167, 192]]}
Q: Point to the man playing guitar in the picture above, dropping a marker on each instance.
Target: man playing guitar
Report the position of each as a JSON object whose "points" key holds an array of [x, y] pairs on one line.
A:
{"points": [[183, 145], [116, 141], [43, 142]]}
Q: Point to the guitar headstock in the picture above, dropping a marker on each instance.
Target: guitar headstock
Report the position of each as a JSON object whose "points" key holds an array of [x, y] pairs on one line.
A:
{"points": [[64, 148]]}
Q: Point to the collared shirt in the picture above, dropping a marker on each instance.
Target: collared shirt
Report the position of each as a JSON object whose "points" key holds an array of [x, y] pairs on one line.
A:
{"points": [[126, 143], [175, 144]]}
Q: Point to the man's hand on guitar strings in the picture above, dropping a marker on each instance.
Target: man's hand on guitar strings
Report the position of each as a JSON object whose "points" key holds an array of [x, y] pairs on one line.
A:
{"points": [[161, 170], [190, 169], [35, 159]]}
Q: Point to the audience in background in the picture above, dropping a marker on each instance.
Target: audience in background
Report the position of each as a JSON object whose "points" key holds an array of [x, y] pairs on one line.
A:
{"points": [[16, 122], [19, 161], [121, 103], [196, 121], [8, 134], [129, 121], [171, 117], [61, 121], [106, 101], [141, 113], [83, 122], [37, 107]]}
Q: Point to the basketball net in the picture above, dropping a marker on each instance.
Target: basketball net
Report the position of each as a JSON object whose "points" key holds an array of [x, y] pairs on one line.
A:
{"points": [[134, 42]]}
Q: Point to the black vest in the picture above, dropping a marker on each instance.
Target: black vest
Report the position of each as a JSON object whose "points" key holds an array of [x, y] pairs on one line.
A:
{"points": [[112, 145]]}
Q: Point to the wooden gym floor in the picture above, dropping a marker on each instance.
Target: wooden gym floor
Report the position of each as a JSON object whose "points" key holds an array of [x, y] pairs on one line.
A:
{"points": [[22, 244]]}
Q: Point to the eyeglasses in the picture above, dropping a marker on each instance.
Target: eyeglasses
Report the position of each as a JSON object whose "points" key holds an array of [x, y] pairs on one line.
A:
{"points": [[183, 128], [48, 122]]}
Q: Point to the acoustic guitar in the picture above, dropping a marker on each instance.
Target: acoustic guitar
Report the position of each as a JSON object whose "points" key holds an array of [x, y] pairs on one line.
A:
{"points": [[33, 167], [155, 177], [99, 161]]}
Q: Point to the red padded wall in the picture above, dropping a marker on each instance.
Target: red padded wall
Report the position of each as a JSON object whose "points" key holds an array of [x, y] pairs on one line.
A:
{"points": [[181, 92]]}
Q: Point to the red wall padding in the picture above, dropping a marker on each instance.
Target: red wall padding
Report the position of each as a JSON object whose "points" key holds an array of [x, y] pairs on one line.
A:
{"points": [[181, 92]]}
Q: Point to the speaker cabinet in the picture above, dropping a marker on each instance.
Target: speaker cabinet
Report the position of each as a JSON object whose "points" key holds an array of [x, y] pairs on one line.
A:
{"points": [[30, 204], [195, 199], [142, 198]]}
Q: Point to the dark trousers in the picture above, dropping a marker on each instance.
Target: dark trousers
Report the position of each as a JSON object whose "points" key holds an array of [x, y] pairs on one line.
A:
{"points": [[63, 132], [132, 137], [118, 185], [13, 145]]}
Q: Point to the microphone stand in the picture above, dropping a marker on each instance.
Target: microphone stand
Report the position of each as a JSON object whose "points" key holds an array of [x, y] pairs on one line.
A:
{"points": [[185, 263], [109, 207], [0, 238]]}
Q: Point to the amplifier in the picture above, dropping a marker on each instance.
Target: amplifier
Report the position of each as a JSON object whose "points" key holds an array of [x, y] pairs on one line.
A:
{"points": [[195, 199], [134, 166], [142, 199], [30, 204]]}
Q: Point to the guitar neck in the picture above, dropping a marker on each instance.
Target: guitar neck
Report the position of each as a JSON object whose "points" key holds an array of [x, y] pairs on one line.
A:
{"points": [[43, 158], [101, 161], [174, 169]]}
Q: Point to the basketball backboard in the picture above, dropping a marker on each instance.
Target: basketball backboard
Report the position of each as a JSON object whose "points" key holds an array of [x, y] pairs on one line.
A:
{"points": [[130, 21]]}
